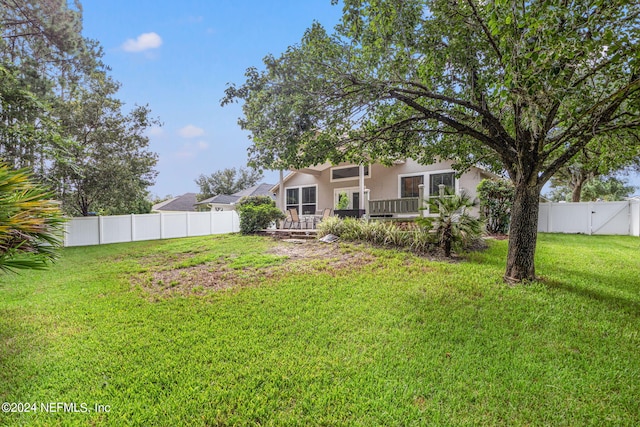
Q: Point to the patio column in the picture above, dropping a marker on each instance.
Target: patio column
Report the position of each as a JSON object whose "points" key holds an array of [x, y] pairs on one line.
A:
{"points": [[421, 202], [281, 191], [367, 195], [361, 174]]}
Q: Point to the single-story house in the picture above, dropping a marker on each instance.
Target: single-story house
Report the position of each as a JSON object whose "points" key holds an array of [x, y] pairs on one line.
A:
{"points": [[224, 202], [184, 203], [375, 189]]}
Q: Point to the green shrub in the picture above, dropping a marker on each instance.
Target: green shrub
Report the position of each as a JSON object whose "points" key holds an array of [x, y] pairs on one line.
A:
{"points": [[257, 213], [496, 199], [378, 233]]}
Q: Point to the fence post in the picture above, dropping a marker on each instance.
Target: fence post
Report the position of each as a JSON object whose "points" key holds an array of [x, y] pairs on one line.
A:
{"points": [[421, 202], [211, 221], [133, 227], [161, 225], [188, 217], [65, 236], [590, 213], [100, 230]]}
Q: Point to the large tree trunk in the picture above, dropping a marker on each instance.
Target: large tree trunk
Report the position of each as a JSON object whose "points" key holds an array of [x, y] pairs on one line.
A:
{"points": [[523, 233], [577, 190]]}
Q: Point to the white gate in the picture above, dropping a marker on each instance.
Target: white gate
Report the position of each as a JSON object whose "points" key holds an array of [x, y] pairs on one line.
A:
{"points": [[621, 218]]}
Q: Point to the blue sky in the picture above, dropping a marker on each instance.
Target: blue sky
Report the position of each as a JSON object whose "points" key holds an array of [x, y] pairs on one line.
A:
{"points": [[178, 56]]}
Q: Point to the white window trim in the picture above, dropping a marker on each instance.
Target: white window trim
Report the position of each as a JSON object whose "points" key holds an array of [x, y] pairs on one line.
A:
{"points": [[348, 190], [426, 179], [299, 188], [347, 179], [406, 175]]}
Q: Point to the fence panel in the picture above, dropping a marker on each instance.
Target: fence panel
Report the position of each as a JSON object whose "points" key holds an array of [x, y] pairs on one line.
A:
{"points": [[116, 229], [82, 232], [634, 216], [568, 218], [126, 228], [199, 223], [174, 225], [610, 218], [147, 227], [621, 218], [225, 222]]}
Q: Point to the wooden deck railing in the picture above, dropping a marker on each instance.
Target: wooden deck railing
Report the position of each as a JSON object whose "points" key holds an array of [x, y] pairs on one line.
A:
{"points": [[409, 205]]}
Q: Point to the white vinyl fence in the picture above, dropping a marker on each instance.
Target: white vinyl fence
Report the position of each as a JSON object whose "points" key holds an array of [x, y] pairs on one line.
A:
{"points": [[591, 218], [98, 230]]}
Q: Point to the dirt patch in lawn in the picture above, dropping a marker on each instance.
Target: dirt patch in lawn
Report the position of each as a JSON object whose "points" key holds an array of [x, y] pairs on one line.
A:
{"points": [[284, 257]]}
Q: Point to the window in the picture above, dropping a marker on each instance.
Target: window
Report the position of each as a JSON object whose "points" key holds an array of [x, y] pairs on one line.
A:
{"points": [[303, 199], [409, 185], [344, 173], [447, 178], [293, 198], [308, 200]]}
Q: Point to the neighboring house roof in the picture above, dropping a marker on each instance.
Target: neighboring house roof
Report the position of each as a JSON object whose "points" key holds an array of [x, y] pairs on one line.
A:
{"points": [[224, 199], [183, 203]]}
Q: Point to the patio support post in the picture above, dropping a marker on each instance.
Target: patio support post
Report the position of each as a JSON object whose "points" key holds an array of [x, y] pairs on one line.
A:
{"points": [[281, 191], [361, 175], [421, 201], [367, 195]]}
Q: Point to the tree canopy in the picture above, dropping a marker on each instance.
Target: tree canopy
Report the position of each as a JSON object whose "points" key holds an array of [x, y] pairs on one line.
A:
{"points": [[59, 115], [227, 181], [521, 87]]}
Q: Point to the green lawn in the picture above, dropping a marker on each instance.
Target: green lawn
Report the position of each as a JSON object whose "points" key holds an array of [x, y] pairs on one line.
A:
{"points": [[357, 337]]}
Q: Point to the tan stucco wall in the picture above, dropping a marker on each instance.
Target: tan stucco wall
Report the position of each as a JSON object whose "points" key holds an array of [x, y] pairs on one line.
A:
{"points": [[384, 182]]}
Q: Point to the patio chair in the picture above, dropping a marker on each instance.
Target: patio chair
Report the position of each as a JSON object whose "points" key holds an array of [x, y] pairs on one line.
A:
{"points": [[326, 213], [292, 219]]}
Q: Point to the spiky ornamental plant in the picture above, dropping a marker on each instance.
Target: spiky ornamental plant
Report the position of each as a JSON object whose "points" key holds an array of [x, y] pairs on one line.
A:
{"points": [[455, 227], [31, 224]]}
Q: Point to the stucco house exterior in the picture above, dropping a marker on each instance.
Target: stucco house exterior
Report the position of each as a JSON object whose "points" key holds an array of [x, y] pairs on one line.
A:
{"points": [[375, 189]]}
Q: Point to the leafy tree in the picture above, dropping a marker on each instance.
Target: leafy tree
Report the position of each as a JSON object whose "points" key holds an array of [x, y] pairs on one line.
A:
{"points": [[227, 181], [618, 155], [496, 200], [519, 86], [110, 167], [60, 116], [609, 189], [31, 224]]}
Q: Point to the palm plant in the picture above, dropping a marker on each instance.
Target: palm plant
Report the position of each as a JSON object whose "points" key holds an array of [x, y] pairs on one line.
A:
{"points": [[31, 224], [454, 226]]}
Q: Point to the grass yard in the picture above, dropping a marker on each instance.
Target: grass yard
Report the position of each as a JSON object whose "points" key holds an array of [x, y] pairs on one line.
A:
{"points": [[229, 330]]}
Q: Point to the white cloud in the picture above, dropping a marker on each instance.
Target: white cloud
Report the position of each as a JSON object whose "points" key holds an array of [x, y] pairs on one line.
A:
{"points": [[144, 41], [203, 145], [155, 131], [191, 131]]}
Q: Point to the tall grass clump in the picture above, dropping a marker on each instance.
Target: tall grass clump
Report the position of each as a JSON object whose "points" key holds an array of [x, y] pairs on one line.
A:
{"points": [[380, 233]]}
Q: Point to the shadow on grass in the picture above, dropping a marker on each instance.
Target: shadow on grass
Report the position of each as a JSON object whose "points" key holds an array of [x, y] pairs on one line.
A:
{"points": [[598, 290]]}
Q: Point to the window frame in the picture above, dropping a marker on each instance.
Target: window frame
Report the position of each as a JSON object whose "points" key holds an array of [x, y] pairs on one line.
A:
{"points": [[404, 177], [301, 204], [367, 173]]}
